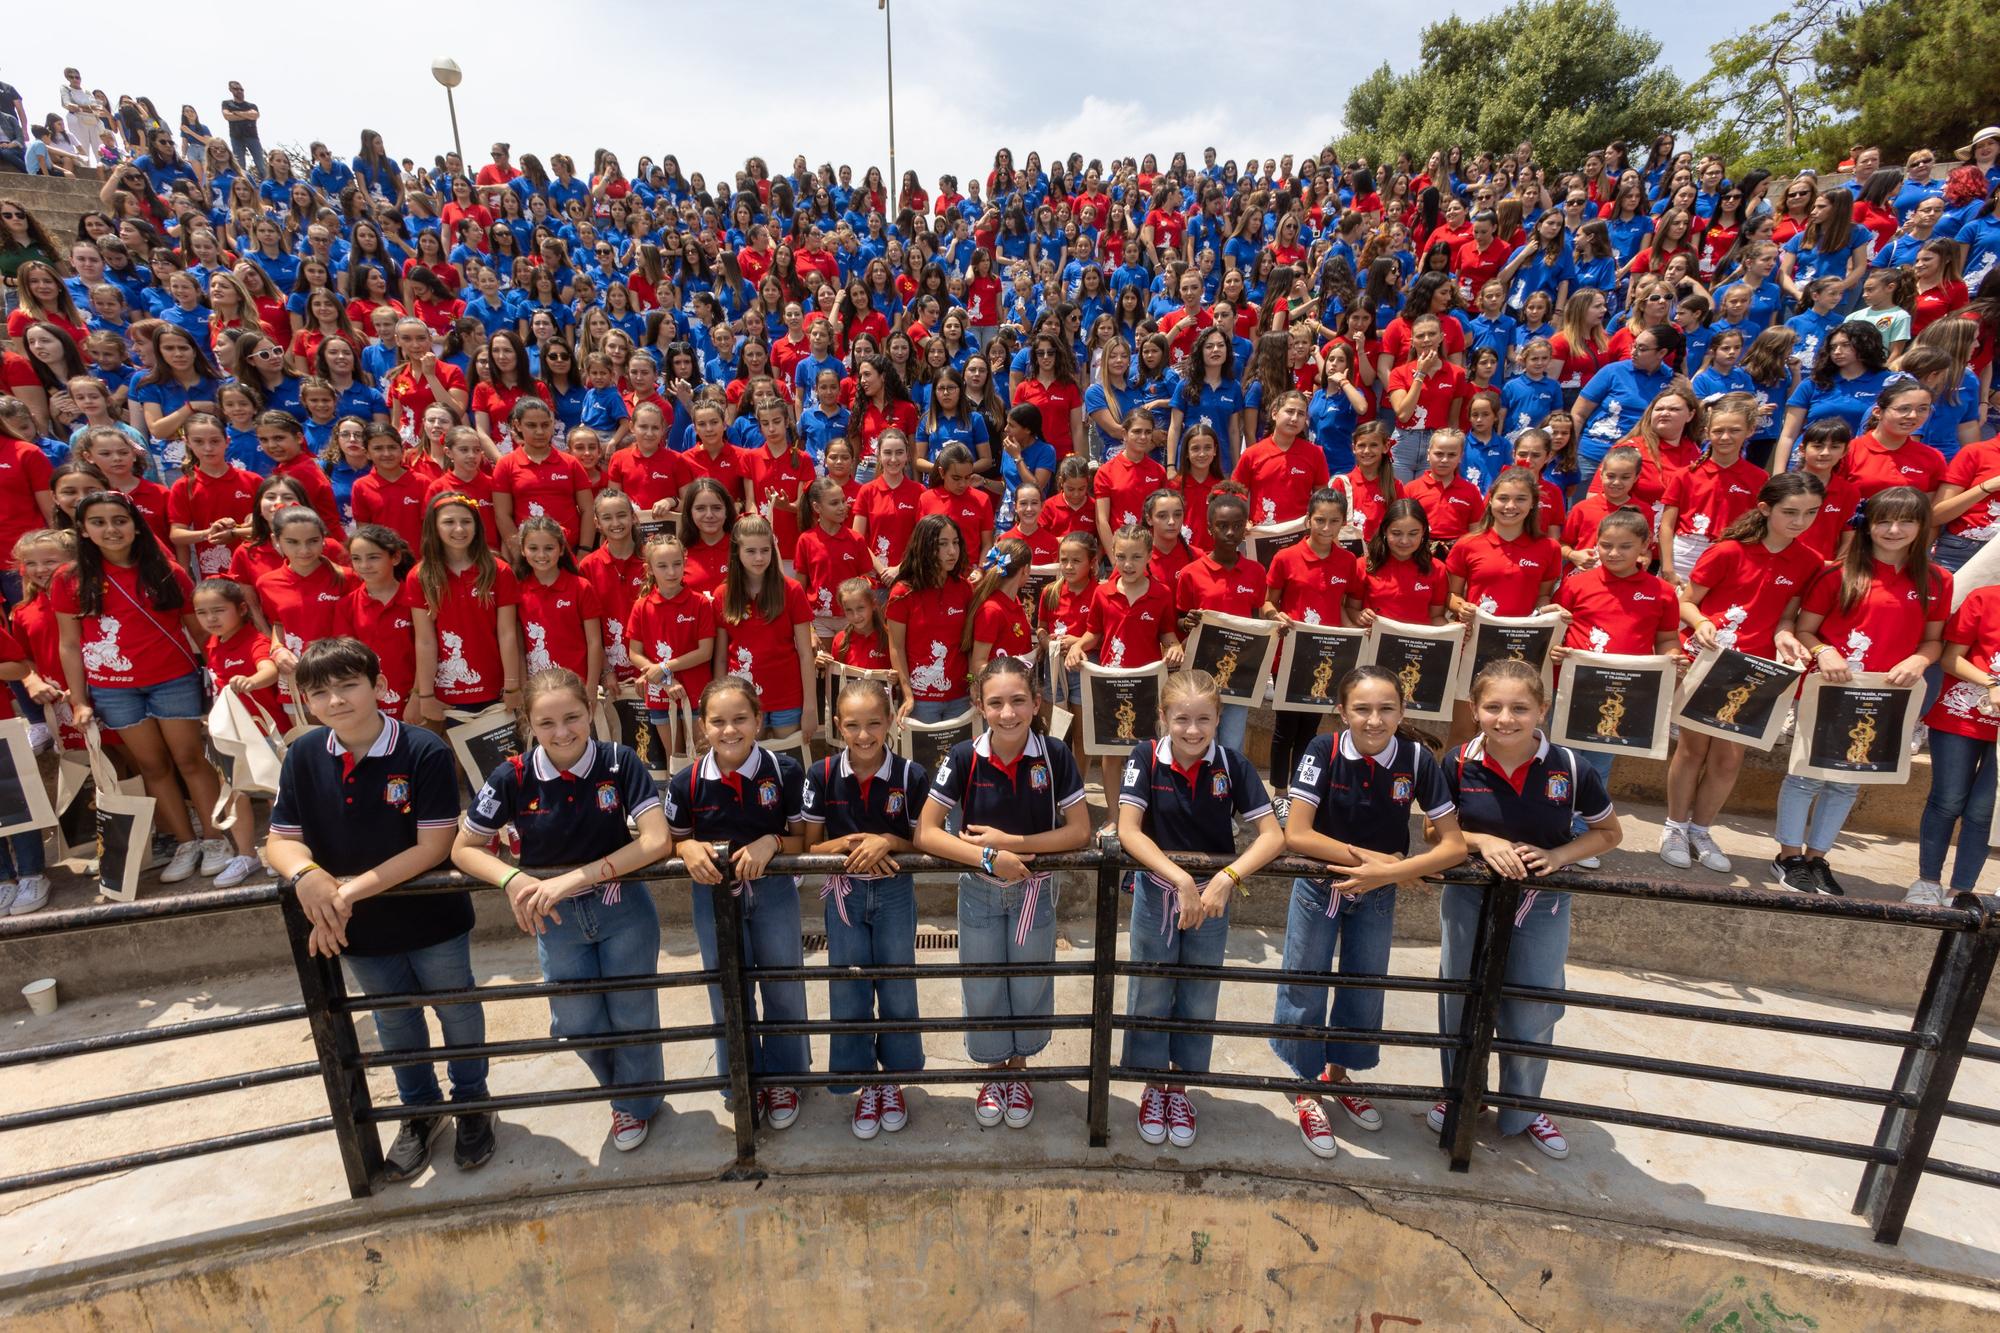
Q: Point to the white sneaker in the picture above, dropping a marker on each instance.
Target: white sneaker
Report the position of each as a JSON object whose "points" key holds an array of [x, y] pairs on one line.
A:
{"points": [[1590, 863], [8, 892], [1282, 805], [239, 869], [38, 736], [1920, 738], [1709, 854], [216, 856], [1674, 847], [32, 897], [1923, 893], [182, 865], [1542, 1132]]}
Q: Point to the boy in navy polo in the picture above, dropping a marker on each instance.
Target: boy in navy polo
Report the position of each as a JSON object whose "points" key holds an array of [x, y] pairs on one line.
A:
{"points": [[364, 804]]}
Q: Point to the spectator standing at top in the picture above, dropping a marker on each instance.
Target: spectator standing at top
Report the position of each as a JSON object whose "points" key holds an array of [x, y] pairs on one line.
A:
{"points": [[11, 103], [81, 109], [243, 141]]}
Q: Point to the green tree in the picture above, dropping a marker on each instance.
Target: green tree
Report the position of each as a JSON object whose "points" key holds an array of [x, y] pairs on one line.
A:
{"points": [[1915, 73], [1562, 74], [1762, 99]]}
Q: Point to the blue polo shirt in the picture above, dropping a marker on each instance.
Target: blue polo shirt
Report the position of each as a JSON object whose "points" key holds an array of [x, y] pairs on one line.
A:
{"points": [[354, 813], [1622, 393], [1366, 800], [1025, 797], [1846, 398], [1528, 401], [885, 801], [1535, 805], [1192, 810], [565, 816], [765, 795]]}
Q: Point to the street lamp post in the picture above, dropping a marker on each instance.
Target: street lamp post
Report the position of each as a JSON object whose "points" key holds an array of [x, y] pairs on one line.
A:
{"points": [[446, 71], [889, 48]]}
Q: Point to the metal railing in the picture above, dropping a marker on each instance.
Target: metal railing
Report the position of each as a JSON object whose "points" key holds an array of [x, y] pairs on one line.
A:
{"points": [[1912, 1105]]}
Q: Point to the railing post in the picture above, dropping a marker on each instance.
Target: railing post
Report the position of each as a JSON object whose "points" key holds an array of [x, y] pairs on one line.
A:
{"points": [[1477, 1017], [1953, 993], [339, 1050], [735, 986], [1103, 991]]}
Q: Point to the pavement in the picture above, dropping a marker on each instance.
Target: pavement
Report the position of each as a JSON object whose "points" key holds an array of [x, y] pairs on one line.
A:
{"points": [[1774, 1201]]}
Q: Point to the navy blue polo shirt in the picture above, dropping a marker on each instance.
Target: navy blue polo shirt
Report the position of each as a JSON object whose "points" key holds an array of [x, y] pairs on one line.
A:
{"points": [[355, 813], [885, 801], [1024, 797], [1365, 800], [764, 796], [565, 816], [1533, 805], [1192, 811]]}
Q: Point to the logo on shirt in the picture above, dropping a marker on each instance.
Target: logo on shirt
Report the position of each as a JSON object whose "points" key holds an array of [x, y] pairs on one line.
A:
{"points": [[767, 794], [1038, 777], [607, 796], [1308, 771], [396, 792], [1401, 789], [894, 805], [1131, 775], [1218, 785], [1558, 787]]}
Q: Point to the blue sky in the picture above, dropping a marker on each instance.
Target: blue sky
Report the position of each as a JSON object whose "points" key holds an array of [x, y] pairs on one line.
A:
{"points": [[1052, 75]]}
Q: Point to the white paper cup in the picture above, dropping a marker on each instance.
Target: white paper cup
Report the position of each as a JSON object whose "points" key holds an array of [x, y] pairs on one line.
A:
{"points": [[41, 996]]}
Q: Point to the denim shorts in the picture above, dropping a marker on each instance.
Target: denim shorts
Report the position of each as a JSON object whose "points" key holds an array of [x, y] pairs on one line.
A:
{"points": [[178, 700], [779, 719]]}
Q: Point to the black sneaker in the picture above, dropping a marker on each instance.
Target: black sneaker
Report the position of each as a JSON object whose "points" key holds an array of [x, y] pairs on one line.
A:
{"points": [[1795, 873], [1823, 878], [475, 1144], [411, 1152]]}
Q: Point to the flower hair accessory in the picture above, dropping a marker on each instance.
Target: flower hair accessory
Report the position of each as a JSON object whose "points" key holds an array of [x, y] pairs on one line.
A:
{"points": [[999, 560], [443, 498]]}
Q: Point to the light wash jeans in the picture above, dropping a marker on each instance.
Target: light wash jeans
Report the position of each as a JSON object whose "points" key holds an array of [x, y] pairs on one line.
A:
{"points": [[770, 939], [939, 710], [597, 939], [1410, 454], [1157, 937], [1811, 811], [1231, 726], [1601, 762], [1536, 957], [440, 967], [1360, 928], [989, 917], [881, 928]]}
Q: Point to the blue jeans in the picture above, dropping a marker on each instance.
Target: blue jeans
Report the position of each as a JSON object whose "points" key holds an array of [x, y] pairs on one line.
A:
{"points": [[1586, 470], [22, 855], [989, 916], [881, 928], [180, 699], [597, 939], [440, 967], [770, 939], [1231, 726], [1157, 937], [1962, 783], [1601, 762], [1361, 928], [1812, 810], [1536, 957], [939, 710], [1951, 551]]}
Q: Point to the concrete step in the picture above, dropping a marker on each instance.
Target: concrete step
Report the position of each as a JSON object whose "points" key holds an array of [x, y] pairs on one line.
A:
{"points": [[56, 203]]}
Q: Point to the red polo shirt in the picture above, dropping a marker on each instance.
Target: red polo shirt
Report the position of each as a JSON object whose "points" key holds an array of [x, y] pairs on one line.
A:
{"points": [[1502, 577], [544, 490], [1129, 631], [552, 623], [386, 627], [1614, 615], [1127, 484], [1399, 590], [1710, 496], [1204, 585], [1749, 587], [467, 630], [663, 628], [1313, 589], [397, 505], [649, 478], [1872, 468], [933, 622], [1449, 507], [199, 499], [891, 516], [1280, 480], [971, 513], [1886, 623]]}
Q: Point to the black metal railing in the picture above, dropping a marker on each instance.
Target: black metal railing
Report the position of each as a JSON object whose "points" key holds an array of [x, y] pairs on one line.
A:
{"points": [[1912, 1105]]}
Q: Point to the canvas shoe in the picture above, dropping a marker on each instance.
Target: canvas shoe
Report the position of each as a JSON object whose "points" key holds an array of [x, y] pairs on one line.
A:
{"points": [[1153, 1115], [1314, 1129]]}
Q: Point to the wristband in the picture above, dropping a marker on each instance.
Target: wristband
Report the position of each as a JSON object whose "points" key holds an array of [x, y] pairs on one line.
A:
{"points": [[1231, 872], [509, 878], [986, 859], [605, 872]]}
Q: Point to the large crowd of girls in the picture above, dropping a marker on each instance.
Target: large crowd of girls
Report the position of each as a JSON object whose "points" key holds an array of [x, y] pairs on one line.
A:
{"points": [[541, 437]]}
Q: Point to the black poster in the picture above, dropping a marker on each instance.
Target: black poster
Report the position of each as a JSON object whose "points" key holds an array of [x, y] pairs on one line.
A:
{"points": [[1615, 707], [124, 845], [1423, 667], [1313, 665], [929, 747], [1859, 729], [1498, 641], [1119, 711], [646, 529], [1739, 696], [636, 730], [14, 807], [1266, 543], [484, 745], [1235, 657]]}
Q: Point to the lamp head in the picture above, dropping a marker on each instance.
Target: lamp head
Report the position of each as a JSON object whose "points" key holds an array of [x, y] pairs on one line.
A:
{"points": [[446, 71]]}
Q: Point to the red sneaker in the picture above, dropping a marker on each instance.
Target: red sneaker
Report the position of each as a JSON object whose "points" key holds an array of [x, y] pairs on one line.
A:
{"points": [[1020, 1106], [894, 1114], [1153, 1115], [867, 1113], [1542, 1132], [783, 1107], [1180, 1119], [1314, 1129], [989, 1106]]}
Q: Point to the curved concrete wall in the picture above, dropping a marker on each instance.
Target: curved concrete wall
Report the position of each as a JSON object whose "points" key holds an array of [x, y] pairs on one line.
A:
{"points": [[1113, 1251]]}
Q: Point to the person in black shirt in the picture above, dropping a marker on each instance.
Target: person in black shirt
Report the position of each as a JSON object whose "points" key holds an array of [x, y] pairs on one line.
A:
{"points": [[569, 799], [243, 141], [365, 803]]}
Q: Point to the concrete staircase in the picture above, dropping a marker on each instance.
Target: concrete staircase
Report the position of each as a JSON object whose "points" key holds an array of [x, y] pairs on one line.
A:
{"points": [[56, 202]]}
